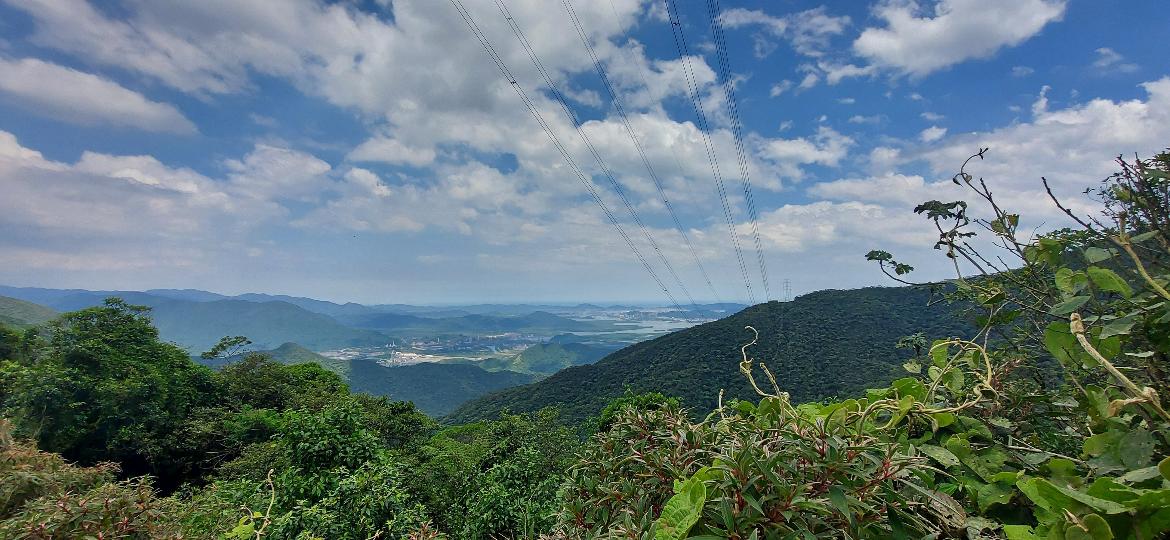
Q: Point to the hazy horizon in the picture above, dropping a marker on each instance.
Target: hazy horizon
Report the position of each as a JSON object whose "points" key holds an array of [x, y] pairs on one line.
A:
{"points": [[372, 152]]}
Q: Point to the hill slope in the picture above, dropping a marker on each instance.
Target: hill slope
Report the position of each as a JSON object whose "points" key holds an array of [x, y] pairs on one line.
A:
{"points": [[435, 388], [19, 313], [544, 358], [197, 326], [821, 344]]}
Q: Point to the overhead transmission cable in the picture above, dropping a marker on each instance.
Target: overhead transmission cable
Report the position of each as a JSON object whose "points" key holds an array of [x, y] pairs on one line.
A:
{"points": [[654, 97], [607, 172], [621, 110], [535, 112], [729, 101], [680, 43]]}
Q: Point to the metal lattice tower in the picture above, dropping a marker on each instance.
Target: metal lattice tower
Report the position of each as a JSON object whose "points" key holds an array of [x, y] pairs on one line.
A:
{"points": [[787, 290]]}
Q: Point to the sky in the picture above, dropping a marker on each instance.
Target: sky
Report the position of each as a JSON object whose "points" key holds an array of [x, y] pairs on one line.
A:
{"points": [[372, 151]]}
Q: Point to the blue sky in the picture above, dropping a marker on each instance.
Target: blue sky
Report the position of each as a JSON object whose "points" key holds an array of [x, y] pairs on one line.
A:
{"points": [[370, 151]]}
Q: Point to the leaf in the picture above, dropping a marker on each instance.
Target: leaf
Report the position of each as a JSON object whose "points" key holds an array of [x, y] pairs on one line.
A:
{"points": [[1118, 327], [910, 386], [1108, 280], [682, 510], [912, 367], [1064, 280], [1060, 342], [939, 352], [1019, 532], [1091, 527], [1068, 306], [940, 454], [1095, 254], [1136, 448], [1164, 468]]}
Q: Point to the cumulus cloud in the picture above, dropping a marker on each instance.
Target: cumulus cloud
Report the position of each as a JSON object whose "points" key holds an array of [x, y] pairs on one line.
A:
{"points": [[827, 147], [932, 134], [808, 31], [918, 40], [86, 99]]}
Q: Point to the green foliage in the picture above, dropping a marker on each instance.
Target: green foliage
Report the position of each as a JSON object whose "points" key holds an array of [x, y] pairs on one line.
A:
{"points": [[104, 388], [43, 496]]}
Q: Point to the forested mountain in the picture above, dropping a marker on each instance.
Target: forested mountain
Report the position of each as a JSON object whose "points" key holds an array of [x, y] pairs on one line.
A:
{"points": [[828, 343], [436, 389], [19, 313], [544, 358]]}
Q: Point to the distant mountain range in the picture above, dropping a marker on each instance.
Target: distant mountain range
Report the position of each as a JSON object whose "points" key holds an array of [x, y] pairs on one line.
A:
{"points": [[197, 325], [828, 343], [436, 389]]}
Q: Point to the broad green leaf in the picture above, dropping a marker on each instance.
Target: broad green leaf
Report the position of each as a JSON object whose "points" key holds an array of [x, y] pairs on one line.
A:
{"points": [[1092, 527], [682, 510], [1019, 532], [1108, 280], [1136, 448], [1064, 280], [910, 387], [939, 353], [940, 454], [1056, 493], [1118, 327], [1068, 306], [1095, 254], [1164, 468]]}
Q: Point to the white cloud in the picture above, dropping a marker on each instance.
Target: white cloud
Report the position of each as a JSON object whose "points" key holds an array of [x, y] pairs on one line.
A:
{"points": [[86, 99], [932, 134], [1110, 61], [846, 101], [917, 40], [810, 80], [932, 116], [1022, 71], [872, 119], [1073, 147], [390, 150], [779, 88], [827, 147], [808, 31]]}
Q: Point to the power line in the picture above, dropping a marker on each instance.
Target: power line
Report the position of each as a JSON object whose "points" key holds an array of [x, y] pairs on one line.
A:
{"points": [[620, 107], [680, 43], [589, 145], [532, 109], [713, 9], [678, 167]]}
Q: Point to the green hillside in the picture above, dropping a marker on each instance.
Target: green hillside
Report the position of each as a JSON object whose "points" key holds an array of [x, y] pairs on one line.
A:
{"points": [[19, 313], [436, 389], [543, 358], [288, 353], [828, 343]]}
